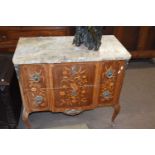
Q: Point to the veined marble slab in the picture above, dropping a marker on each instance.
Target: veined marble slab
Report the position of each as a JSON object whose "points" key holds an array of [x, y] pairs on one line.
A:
{"points": [[32, 50]]}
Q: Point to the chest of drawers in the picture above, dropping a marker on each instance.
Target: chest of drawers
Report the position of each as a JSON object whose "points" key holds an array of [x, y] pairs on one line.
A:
{"points": [[58, 77]]}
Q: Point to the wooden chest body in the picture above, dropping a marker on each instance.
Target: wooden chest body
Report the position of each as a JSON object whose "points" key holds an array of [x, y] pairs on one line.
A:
{"points": [[70, 87]]}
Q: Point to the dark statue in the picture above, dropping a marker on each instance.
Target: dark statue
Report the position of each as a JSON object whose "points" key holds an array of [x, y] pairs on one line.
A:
{"points": [[89, 36]]}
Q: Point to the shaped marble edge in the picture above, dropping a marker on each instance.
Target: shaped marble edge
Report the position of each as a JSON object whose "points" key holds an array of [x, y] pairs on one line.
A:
{"points": [[31, 50]]}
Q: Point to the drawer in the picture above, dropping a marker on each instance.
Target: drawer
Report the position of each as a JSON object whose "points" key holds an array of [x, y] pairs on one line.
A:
{"points": [[73, 85], [34, 76], [108, 80], [71, 98], [37, 100], [72, 75]]}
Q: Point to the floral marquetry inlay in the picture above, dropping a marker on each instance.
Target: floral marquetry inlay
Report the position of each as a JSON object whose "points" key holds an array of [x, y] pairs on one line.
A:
{"points": [[38, 98], [35, 76], [108, 80], [35, 85], [74, 85]]}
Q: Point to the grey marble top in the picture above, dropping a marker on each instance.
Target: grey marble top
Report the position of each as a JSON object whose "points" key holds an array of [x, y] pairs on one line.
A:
{"points": [[32, 50]]}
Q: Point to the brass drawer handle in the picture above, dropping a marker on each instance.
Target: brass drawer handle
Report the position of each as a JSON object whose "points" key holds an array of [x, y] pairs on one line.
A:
{"points": [[73, 70], [74, 93], [106, 94], [36, 77], [38, 100], [109, 74]]}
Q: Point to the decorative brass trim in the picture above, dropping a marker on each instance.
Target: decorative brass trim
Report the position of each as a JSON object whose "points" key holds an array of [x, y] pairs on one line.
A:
{"points": [[106, 94], [17, 70], [38, 100], [35, 77], [109, 74], [72, 112]]}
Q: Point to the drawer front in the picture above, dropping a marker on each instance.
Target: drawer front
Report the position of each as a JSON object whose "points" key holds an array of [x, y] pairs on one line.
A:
{"points": [[73, 85], [37, 99], [72, 98], [34, 76], [109, 74]]}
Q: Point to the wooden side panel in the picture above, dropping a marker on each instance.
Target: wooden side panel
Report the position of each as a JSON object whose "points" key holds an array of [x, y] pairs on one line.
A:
{"points": [[34, 82], [119, 82], [109, 75], [73, 85]]}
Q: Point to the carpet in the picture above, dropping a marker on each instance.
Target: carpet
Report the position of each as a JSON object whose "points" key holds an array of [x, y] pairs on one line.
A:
{"points": [[74, 126]]}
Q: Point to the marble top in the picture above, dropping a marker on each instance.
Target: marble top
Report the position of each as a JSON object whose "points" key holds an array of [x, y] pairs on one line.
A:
{"points": [[32, 50]]}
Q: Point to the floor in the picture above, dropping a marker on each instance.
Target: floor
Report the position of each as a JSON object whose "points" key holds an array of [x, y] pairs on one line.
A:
{"points": [[137, 105]]}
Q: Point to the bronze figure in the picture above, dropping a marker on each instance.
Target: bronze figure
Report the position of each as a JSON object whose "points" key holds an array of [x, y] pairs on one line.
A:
{"points": [[89, 36]]}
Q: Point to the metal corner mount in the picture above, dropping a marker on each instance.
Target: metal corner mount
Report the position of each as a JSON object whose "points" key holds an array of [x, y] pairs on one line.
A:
{"points": [[72, 112], [17, 70]]}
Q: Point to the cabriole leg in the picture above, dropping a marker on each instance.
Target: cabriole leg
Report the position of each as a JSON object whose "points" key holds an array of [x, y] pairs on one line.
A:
{"points": [[25, 118], [116, 111]]}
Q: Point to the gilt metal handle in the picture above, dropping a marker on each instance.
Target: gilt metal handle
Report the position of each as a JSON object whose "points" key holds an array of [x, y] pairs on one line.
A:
{"points": [[73, 70], [36, 77], [106, 94], [38, 100], [73, 93], [109, 74]]}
